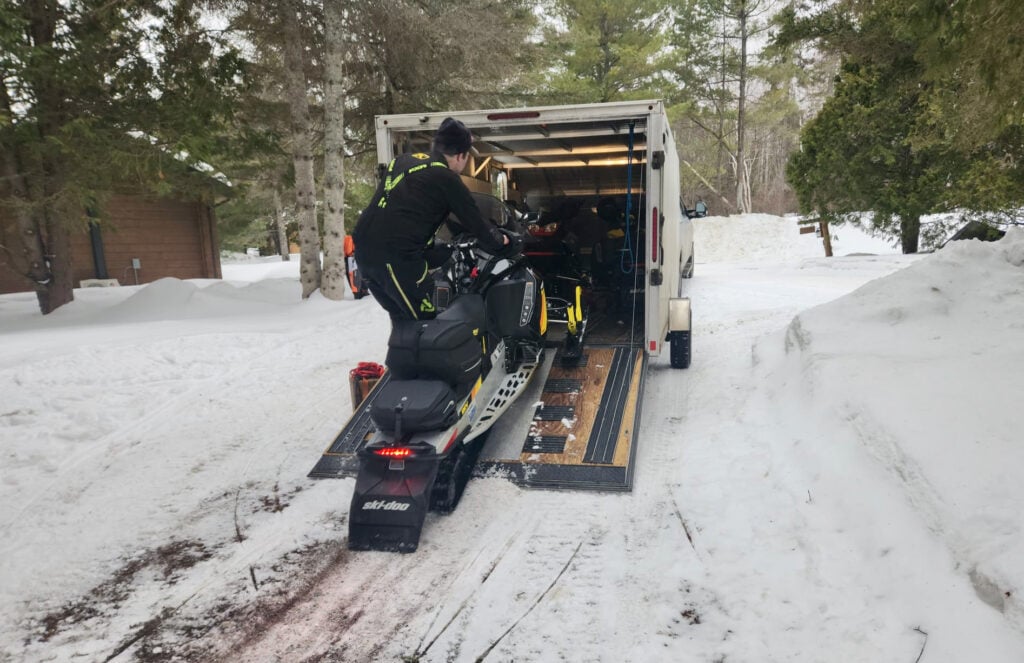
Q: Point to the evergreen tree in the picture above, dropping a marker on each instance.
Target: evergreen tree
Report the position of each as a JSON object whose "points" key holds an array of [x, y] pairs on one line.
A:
{"points": [[604, 50], [858, 154], [893, 140], [98, 97]]}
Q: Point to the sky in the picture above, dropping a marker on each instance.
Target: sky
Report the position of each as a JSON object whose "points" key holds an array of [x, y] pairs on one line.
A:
{"points": [[835, 477]]}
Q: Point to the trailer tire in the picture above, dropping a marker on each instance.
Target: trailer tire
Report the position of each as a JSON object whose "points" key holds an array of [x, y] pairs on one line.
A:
{"points": [[679, 356]]}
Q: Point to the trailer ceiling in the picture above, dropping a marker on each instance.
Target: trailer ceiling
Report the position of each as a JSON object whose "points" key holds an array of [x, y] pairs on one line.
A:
{"points": [[571, 158]]}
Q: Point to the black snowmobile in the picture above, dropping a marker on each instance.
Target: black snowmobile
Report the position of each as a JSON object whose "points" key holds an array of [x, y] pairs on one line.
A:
{"points": [[449, 380]]}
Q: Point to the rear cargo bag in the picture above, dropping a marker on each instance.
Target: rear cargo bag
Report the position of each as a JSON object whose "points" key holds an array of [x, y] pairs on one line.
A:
{"points": [[406, 406]]}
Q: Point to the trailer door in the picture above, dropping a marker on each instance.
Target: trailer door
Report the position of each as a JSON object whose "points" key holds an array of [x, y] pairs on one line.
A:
{"points": [[662, 230]]}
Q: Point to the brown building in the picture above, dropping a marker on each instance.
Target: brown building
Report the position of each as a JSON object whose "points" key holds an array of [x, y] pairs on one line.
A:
{"points": [[141, 240]]}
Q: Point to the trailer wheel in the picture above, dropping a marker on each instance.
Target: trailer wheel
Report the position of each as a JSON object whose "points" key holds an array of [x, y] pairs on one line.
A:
{"points": [[679, 356]]}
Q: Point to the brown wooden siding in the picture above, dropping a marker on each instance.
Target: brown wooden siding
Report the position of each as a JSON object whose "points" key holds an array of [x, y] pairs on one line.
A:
{"points": [[169, 238]]}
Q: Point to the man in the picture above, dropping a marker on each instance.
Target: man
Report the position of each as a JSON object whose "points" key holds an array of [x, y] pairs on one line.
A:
{"points": [[583, 230], [394, 232]]}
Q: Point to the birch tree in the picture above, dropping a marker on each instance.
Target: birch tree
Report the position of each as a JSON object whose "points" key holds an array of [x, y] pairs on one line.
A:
{"points": [[301, 146], [715, 66], [333, 284]]}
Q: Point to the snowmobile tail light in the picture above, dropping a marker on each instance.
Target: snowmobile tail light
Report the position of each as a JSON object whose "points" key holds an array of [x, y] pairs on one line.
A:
{"points": [[394, 452]]}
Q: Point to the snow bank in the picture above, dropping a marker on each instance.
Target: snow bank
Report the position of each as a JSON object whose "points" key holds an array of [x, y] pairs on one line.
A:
{"points": [[248, 268], [916, 375], [764, 238]]}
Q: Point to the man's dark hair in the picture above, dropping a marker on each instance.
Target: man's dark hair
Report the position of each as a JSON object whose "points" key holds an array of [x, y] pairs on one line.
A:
{"points": [[452, 137]]}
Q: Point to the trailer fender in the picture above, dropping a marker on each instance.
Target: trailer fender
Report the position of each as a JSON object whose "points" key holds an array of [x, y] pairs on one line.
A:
{"points": [[679, 314]]}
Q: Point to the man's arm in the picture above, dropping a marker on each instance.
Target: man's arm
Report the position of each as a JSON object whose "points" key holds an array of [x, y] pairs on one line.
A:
{"points": [[464, 207]]}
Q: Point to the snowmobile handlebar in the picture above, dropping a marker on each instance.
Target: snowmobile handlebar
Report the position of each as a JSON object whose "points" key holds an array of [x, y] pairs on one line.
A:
{"points": [[514, 246]]}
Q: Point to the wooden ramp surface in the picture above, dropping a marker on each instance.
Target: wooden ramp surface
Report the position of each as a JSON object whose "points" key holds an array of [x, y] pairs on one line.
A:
{"points": [[579, 422], [574, 427]]}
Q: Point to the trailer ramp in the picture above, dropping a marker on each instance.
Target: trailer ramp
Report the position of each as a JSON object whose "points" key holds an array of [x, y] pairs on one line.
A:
{"points": [[574, 428]]}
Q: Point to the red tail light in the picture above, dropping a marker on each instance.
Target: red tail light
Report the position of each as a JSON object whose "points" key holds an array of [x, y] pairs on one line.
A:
{"points": [[513, 115], [654, 237], [394, 452]]}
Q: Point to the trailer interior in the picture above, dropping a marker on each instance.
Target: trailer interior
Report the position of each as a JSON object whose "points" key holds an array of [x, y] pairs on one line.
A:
{"points": [[586, 184]]}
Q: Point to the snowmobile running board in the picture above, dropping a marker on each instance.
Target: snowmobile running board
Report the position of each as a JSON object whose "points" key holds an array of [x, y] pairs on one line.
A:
{"points": [[574, 428]]}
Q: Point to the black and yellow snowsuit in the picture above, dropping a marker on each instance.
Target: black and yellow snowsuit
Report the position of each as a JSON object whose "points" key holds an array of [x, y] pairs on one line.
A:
{"points": [[393, 233]]}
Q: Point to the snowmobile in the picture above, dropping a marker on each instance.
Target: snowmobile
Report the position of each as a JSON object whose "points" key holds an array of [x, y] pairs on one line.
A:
{"points": [[352, 273], [449, 380]]}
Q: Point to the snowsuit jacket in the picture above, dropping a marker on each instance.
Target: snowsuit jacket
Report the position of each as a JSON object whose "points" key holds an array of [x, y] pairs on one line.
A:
{"points": [[415, 197]]}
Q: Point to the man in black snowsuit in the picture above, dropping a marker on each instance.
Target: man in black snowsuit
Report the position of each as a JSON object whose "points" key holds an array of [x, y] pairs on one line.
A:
{"points": [[394, 232]]}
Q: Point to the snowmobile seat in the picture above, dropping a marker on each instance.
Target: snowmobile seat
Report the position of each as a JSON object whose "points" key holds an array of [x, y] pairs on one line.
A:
{"points": [[406, 406], [468, 309]]}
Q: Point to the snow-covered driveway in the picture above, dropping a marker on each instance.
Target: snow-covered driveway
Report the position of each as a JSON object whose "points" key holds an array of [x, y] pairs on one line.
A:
{"points": [[800, 493]]}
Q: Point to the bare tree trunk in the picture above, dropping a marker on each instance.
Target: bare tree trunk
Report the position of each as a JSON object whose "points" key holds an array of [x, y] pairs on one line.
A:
{"points": [[334, 281], [742, 187], [26, 254], [706, 183], [47, 218], [302, 151], [720, 170], [910, 232], [281, 228], [61, 288]]}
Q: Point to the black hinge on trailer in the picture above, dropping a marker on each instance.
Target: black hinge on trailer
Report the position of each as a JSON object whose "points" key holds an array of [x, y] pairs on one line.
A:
{"points": [[658, 159], [382, 168], [656, 277]]}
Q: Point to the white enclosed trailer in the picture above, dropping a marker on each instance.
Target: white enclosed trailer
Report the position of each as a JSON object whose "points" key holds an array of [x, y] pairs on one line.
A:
{"points": [[577, 427], [584, 151]]}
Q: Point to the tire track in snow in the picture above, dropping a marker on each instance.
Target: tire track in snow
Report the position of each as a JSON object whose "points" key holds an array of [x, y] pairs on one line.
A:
{"points": [[109, 445], [928, 503]]}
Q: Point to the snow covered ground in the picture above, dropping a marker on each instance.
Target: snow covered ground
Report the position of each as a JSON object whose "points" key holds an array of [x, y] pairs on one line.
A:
{"points": [[836, 478]]}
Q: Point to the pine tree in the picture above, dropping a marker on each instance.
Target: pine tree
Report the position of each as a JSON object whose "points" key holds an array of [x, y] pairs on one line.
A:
{"points": [[99, 97], [605, 50], [889, 141]]}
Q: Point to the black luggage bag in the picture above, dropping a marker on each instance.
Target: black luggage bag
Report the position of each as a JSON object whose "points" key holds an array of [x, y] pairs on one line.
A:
{"points": [[406, 406], [439, 349]]}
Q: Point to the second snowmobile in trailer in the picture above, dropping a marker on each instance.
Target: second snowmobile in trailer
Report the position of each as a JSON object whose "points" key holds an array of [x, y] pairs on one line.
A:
{"points": [[449, 380]]}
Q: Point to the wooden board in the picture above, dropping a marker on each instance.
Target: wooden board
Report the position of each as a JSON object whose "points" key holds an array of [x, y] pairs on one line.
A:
{"points": [[587, 402]]}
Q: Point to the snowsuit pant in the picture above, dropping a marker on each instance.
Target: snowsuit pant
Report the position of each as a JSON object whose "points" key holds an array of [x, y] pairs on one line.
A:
{"points": [[401, 287]]}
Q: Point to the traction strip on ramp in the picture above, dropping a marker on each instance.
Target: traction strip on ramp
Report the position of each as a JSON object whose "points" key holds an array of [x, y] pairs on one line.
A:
{"points": [[563, 386], [544, 444], [554, 412]]}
